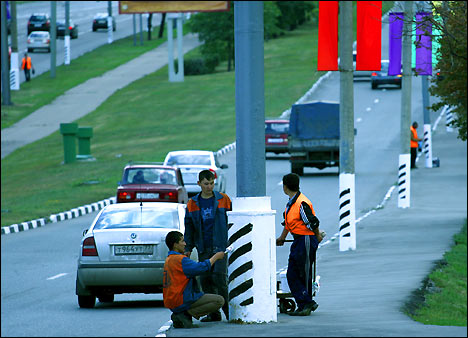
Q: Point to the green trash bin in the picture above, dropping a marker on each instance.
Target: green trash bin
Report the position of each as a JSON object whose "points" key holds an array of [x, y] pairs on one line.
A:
{"points": [[69, 130], [84, 143]]}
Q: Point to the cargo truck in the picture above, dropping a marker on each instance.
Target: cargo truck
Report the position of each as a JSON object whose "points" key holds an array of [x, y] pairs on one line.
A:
{"points": [[314, 135]]}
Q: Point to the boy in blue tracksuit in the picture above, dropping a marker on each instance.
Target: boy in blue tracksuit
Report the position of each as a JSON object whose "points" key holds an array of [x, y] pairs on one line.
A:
{"points": [[180, 289]]}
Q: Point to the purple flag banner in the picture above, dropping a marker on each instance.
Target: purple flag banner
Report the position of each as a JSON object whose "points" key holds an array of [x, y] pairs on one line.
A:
{"points": [[394, 48], [423, 44]]}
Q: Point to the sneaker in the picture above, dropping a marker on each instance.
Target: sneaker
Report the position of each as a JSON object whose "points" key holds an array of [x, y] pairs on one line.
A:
{"points": [[308, 308], [181, 321], [212, 317]]}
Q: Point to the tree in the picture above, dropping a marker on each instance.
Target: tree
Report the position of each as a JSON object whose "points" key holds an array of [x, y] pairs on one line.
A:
{"points": [[450, 87]]}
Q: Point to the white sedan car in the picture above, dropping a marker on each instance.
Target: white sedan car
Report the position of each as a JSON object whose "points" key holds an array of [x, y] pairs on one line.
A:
{"points": [[38, 40], [124, 250], [191, 162]]}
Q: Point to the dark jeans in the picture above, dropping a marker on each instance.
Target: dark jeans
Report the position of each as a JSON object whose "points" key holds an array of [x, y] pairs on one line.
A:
{"points": [[215, 280], [300, 264], [27, 73], [414, 154]]}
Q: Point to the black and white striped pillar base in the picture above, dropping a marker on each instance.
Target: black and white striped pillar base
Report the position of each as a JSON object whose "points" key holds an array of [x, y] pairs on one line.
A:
{"points": [[404, 180], [252, 261], [448, 119], [347, 213], [66, 50], [428, 145]]}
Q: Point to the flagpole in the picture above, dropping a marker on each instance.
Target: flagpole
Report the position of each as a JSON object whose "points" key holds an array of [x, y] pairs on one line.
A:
{"points": [[346, 179], [404, 178]]}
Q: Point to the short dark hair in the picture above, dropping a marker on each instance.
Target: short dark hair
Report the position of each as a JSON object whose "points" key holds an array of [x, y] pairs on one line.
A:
{"points": [[291, 181], [415, 124], [208, 174], [172, 238]]}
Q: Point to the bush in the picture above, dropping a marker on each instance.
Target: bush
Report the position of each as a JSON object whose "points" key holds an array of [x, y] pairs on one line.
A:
{"points": [[199, 66]]}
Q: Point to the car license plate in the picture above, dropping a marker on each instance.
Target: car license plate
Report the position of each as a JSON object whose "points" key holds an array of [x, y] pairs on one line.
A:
{"points": [[37, 25], [145, 249], [275, 140], [146, 195]]}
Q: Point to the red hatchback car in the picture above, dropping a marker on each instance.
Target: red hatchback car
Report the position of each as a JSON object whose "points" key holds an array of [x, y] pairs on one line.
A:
{"points": [[276, 136], [149, 182]]}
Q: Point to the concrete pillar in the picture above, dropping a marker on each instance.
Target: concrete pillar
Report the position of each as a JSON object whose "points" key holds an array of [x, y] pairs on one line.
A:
{"points": [[252, 262]]}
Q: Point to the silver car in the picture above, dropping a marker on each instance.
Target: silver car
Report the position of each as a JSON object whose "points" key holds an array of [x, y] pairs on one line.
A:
{"points": [[124, 250], [191, 162], [38, 39]]}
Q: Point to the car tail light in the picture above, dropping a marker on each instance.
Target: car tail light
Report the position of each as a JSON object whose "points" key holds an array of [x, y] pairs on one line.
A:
{"points": [[374, 74], [399, 75], [124, 196], [214, 172], [48, 40], [89, 247], [70, 28], [169, 196], [29, 40]]}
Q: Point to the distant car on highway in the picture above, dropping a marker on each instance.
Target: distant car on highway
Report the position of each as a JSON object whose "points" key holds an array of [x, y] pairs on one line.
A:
{"points": [[124, 250], [39, 22], [382, 78], [100, 21], [276, 135], [151, 182], [73, 28], [191, 162], [38, 40]]}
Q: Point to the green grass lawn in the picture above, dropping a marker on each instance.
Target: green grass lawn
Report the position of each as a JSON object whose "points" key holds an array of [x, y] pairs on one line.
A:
{"points": [[448, 305]]}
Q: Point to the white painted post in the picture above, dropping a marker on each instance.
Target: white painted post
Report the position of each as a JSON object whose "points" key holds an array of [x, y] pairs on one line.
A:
{"points": [[428, 145], [67, 50], [252, 262], [404, 180], [347, 213], [448, 119], [110, 37], [14, 72]]}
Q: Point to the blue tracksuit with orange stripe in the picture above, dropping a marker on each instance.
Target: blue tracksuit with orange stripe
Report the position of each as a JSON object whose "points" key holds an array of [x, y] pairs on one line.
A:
{"points": [[193, 223]]}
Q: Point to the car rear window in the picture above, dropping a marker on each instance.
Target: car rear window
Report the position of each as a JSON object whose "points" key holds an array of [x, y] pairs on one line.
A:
{"points": [[276, 128], [38, 18], [142, 217], [189, 159], [149, 175], [38, 35]]}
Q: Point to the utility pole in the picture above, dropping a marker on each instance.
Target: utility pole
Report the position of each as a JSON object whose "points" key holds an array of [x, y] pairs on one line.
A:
{"points": [[134, 30], [347, 179], [53, 38], [404, 161], [14, 62], [110, 23], [67, 46], [4, 56]]}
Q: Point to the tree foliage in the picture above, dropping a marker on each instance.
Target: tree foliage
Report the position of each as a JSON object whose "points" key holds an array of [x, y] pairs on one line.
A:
{"points": [[216, 29], [450, 86]]}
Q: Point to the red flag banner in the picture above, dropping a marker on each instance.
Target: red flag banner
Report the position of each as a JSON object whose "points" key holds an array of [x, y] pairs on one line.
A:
{"points": [[368, 35], [327, 58]]}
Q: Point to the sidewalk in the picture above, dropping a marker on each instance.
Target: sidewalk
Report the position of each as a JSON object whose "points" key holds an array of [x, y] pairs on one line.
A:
{"points": [[362, 291], [85, 98]]}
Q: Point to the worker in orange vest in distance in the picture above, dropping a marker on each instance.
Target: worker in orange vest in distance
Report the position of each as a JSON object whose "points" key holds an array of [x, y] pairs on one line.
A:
{"points": [[414, 144], [26, 64]]}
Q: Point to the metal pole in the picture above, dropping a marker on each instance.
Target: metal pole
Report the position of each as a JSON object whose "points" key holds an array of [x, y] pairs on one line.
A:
{"points": [[14, 62], [4, 56], [346, 181], [53, 38], [134, 30], [67, 49], [404, 178], [141, 30], [110, 23], [427, 122], [250, 100]]}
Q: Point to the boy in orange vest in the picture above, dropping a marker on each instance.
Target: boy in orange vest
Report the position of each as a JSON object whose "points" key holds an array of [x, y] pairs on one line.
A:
{"points": [[180, 288], [26, 64], [414, 144], [301, 222]]}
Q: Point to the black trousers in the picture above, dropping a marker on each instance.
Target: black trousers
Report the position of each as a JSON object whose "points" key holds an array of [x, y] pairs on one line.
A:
{"points": [[414, 154], [27, 73]]}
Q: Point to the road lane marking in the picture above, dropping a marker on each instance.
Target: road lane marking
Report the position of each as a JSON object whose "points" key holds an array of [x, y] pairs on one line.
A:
{"points": [[57, 276], [376, 101], [358, 119], [368, 109]]}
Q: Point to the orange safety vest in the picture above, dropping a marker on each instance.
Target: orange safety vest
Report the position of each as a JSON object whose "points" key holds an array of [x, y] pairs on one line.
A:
{"points": [[26, 61], [174, 281], [293, 220], [414, 144]]}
